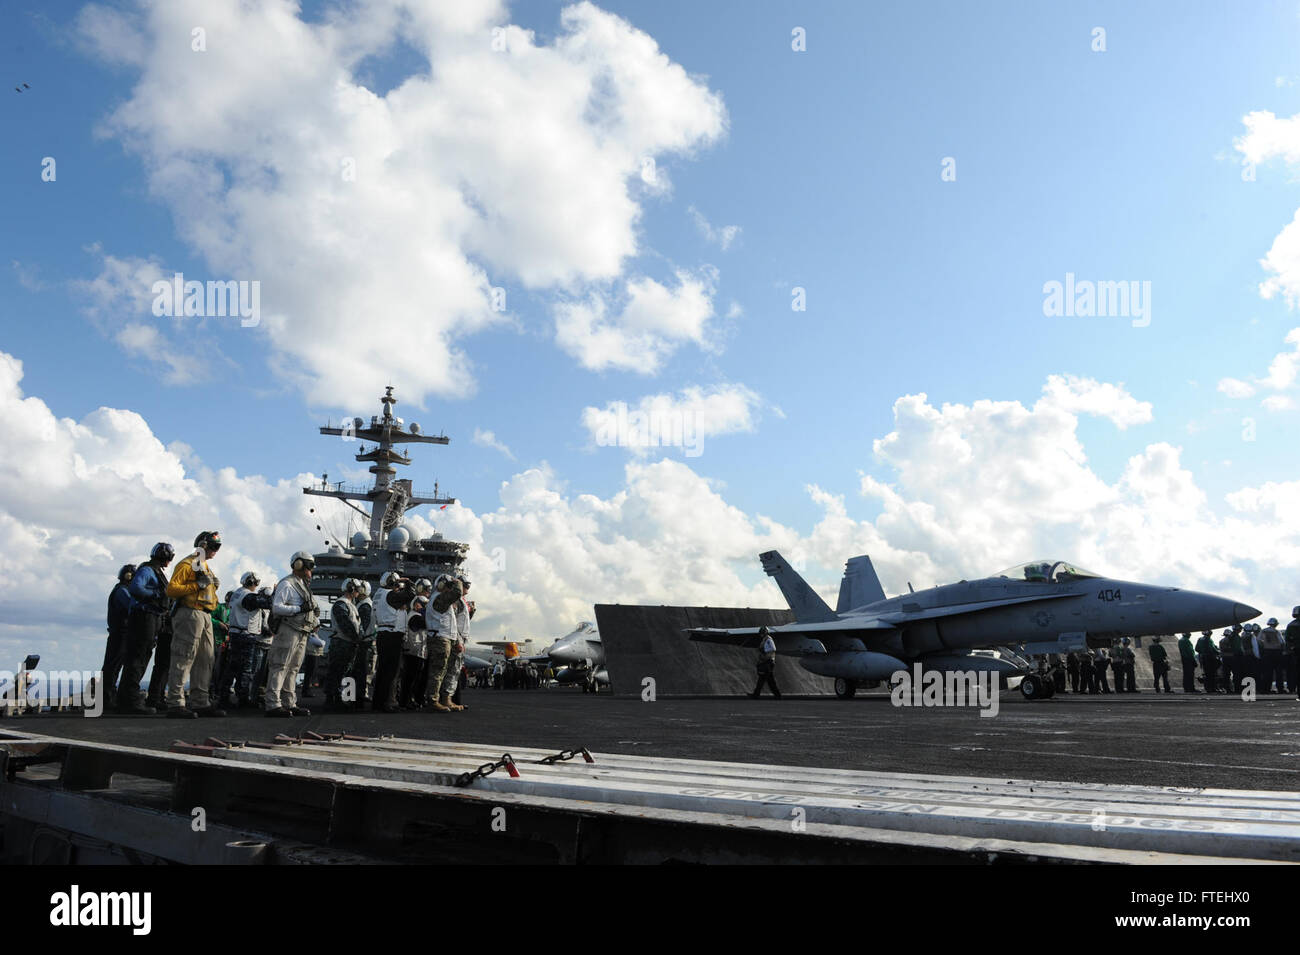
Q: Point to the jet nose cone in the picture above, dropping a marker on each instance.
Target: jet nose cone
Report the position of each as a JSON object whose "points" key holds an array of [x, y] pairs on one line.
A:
{"points": [[1243, 612]]}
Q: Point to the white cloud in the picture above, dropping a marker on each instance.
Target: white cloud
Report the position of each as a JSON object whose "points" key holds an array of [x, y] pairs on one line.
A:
{"points": [[1102, 399], [1278, 403], [482, 166], [1236, 388], [653, 321], [144, 341], [721, 237], [488, 439]]}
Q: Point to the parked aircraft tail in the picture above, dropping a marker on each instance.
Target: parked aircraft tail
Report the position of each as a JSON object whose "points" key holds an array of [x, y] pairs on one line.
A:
{"points": [[808, 607], [860, 585]]}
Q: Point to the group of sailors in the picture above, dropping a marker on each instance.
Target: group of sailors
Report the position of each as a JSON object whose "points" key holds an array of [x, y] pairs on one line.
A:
{"points": [[1268, 656], [402, 649], [1264, 654]]}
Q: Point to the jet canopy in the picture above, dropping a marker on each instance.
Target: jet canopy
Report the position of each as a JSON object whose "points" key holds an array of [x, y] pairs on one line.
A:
{"points": [[1045, 571]]}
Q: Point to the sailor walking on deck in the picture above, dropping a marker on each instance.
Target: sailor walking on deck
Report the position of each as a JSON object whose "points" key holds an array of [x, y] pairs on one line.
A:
{"points": [[766, 665], [295, 606]]}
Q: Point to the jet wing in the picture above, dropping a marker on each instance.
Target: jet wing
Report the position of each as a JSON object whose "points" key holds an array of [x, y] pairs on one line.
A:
{"points": [[904, 616], [809, 637]]}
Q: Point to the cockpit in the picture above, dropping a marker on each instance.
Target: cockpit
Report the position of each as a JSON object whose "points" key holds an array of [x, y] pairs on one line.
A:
{"points": [[1046, 572]]}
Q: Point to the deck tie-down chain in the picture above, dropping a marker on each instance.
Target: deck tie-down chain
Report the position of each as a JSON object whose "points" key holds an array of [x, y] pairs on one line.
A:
{"points": [[566, 754], [487, 769]]}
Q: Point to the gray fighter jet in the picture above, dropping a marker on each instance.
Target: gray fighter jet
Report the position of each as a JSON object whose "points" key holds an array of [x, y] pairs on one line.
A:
{"points": [[1043, 606], [578, 657]]}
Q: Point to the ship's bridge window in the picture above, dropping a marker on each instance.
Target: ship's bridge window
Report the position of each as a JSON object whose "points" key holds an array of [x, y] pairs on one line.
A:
{"points": [[1045, 571]]}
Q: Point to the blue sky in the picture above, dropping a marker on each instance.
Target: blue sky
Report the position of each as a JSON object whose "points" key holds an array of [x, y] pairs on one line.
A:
{"points": [[1115, 165]]}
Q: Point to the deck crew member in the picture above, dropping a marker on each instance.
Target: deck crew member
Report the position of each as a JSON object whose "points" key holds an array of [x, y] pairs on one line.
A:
{"points": [[343, 644], [1270, 654], [1209, 659], [294, 605], [194, 587], [363, 666], [148, 589], [1100, 663], [1128, 661], [440, 616], [1159, 664], [1293, 644], [119, 611], [392, 607], [455, 662], [1188, 658], [248, 612], [766, 665]]}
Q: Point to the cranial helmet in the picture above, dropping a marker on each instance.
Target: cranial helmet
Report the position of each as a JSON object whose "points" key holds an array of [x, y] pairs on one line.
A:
{"points": [[365, 587], [389, 579], [302, 559], [126, 572], [162, 551], [249, 580], [211, 540], [1272, 621]]}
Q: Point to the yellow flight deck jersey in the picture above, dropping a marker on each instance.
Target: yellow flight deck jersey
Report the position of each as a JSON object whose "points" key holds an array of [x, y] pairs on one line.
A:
{"points": [[184, 588]]}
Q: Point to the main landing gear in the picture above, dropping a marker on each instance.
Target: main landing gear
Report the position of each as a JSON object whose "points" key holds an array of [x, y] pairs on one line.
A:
{"points": [[845, 689]]}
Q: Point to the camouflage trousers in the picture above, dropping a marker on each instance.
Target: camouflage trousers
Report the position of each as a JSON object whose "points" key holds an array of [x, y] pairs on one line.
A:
{"points": [[445, 657]]}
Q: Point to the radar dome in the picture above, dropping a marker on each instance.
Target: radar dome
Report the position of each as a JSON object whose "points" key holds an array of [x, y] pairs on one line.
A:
{"points": [[398, 538], [415, 428], [359, 539]]}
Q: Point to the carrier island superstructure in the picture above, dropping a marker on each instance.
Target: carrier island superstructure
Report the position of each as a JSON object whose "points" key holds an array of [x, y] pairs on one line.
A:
{"points": [[387, 544]]}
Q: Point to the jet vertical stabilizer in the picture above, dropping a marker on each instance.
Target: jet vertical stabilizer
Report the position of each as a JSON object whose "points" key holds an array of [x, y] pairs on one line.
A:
{"points": [[860, 585], [808, 607]]}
